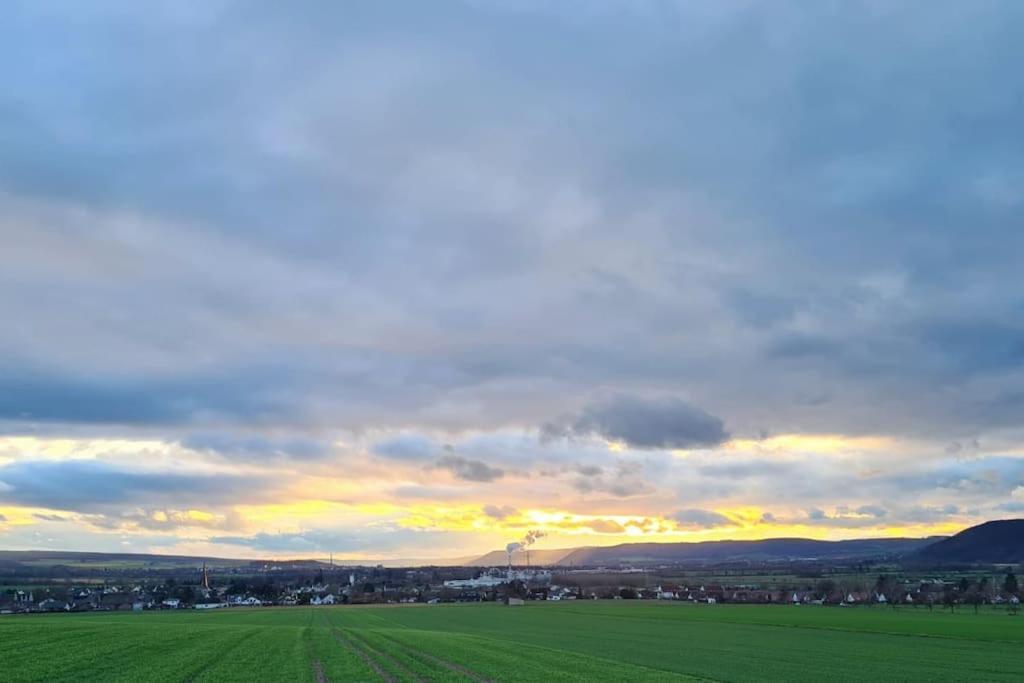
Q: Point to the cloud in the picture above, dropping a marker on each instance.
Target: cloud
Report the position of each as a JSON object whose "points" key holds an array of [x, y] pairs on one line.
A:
{"points": [[164, 519], [700, 519], [876, 511], [46, 397], [535, 239], [50, 518], [299, 542], [647, 423], [303, 543], [604, 526], [407, 447], [468, 469], [92, 484], [257, 447], [500, 512], [626, 480]]}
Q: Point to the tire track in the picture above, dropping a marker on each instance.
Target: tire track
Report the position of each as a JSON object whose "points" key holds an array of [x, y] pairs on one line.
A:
{"points": [[318, 672], [437, 661], [367, 659], [214, 659], [386, 658]]}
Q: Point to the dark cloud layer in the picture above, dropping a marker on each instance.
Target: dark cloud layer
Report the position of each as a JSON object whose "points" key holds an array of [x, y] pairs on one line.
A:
{"points": [[801, 217], [83, 485], [642, 423]]}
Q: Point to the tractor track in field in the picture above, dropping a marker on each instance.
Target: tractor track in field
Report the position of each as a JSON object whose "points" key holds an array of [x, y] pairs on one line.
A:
{"points": [[388, 659], [443, 663], [213, 660], [318, 672], [367, 659], [364, 650]]}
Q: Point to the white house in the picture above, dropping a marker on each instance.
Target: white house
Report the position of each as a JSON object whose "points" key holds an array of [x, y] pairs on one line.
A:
{"points": [[323, 600], [173, 603]]}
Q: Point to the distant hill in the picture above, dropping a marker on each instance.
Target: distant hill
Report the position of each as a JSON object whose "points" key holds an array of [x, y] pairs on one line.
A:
{"points": [[14, 559], [51, 558], [997, 542], [768, 550], [543, 557]]}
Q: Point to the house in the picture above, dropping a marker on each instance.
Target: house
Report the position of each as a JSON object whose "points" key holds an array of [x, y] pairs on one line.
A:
{"points": [[250, 602], [323, 600], [117, 601], [51, 605], [171, 603]]}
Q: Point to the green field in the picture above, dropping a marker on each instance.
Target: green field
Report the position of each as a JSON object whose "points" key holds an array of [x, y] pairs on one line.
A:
{"points": [[577, 641]]}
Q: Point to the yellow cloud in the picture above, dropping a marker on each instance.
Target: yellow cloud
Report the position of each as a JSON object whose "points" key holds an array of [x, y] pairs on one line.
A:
{"points": [[812, 443]]}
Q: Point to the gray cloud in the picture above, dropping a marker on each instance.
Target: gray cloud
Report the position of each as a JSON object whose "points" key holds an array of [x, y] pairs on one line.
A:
{"points": [[906, 292], [700, 519], [50, 518], [407, 447], [647, 423], [469, 469], [500, 511], [382, 539], [302, 542], [238, 446], [84, 485]]}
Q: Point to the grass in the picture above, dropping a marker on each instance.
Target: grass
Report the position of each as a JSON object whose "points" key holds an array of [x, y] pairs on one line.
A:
{"points": [[576, 641]]}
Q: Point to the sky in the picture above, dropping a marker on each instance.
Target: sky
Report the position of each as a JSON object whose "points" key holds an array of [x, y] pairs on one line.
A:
{"points": [[409, 280]]}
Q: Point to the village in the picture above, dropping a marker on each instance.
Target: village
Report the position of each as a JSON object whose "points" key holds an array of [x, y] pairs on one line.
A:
{"points": [[206, 589]]}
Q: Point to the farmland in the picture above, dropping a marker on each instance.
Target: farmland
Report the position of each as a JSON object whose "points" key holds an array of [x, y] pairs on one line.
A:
{"points": [[576, 641]]}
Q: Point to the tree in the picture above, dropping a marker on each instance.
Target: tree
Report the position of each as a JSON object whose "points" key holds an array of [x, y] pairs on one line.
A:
{"points": [[1010, 583]]}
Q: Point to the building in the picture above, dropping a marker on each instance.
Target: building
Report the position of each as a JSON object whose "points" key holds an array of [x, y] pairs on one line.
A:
{"points": [[481, 582]]}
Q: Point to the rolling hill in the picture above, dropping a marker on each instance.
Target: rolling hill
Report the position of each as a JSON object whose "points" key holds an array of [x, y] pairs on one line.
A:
{"points": [[996, 542], [768, 550]]}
